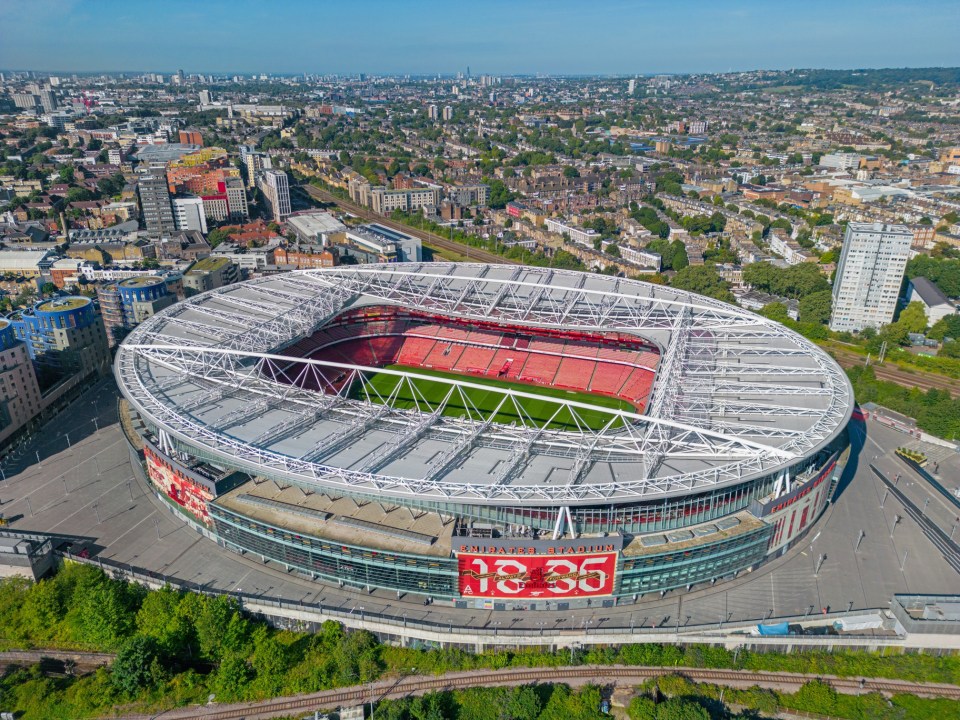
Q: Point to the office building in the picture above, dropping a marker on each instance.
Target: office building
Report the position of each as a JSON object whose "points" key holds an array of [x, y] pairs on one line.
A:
{"points": [[188, 214], [276, 189], [155, 205], [872, 262]]}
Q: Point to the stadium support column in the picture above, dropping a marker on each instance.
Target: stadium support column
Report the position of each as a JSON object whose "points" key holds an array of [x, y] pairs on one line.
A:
{"points": [[558, 526], [573, 528], [165, 445], [564, 513], [783, 483]]}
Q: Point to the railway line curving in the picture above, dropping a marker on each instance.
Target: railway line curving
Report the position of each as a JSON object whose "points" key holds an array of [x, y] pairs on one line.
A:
{"points": [[601, 675]]}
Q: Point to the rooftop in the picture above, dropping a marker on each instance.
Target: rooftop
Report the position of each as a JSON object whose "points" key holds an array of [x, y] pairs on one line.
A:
{"points": [[63, 303], [737, 395], [141, 281], [209, 264]]}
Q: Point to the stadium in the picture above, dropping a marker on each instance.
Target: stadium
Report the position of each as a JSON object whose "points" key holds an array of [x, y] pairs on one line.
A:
{"points": [[488, 436]]}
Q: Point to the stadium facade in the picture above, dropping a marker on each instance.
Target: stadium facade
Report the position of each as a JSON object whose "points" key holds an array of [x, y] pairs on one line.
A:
{"points": [[490, 436]]}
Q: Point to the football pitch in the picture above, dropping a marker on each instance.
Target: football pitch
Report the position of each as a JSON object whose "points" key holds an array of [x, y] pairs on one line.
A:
{"points": [[537, 412]]}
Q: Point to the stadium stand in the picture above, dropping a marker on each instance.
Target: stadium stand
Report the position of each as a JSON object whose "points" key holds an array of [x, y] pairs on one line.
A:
{"points": [[608, 364]]}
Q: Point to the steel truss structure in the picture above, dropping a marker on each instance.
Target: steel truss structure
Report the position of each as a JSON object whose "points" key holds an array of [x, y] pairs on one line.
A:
{"points": [[736, 396]]}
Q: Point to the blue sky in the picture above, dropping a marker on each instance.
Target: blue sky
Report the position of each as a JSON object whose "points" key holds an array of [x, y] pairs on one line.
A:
{"points": [[491, 36]]}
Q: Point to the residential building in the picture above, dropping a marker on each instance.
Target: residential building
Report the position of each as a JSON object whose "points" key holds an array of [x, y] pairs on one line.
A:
{"points": [[20, 399], [237, 208], [789, 249], [935, 304], [255, 163], [431, 111], [872, 263], [127, 303], [841, 161], [26, 101], [65, 335], [276, 189], [191, 137], [304, 257], [579, 235], [48, 100], [447, 113], [209, 274], [188, 214], [155, 205]]}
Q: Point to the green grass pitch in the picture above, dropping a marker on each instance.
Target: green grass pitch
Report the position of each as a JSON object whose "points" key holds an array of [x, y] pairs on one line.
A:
{"points": [[538, 411]]}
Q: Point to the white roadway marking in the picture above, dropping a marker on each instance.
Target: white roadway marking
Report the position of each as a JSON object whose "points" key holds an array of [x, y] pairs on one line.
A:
{"points": [[90, 503], [57, 477], [153, 512]]}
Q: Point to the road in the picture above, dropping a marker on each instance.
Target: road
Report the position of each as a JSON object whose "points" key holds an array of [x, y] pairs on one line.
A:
{"points": [[620, 675], [432, 239]]}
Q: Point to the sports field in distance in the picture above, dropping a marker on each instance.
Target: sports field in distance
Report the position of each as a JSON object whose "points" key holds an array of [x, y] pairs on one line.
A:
{"points": [[538, 412]]}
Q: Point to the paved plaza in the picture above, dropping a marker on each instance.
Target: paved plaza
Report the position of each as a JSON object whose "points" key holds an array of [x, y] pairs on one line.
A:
{"points": [[84, 485]]}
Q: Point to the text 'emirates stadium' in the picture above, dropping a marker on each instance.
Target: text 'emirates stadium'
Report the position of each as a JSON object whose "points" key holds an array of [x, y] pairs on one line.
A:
{"points": [[487, 435]]}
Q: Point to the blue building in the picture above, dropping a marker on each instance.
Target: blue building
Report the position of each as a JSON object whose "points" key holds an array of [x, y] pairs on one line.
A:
{"points": [[65, 334]]}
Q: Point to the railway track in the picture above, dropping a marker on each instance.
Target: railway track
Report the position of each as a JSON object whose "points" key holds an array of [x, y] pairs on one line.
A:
{"points": [[600, 675], [917, 379], [56, 659], [426, 236]]}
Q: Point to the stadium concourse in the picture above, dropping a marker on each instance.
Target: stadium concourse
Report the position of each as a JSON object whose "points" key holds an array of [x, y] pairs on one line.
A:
{"points": [[486, 437]]}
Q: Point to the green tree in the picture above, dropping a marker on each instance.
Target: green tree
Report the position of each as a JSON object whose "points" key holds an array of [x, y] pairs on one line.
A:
{"points": [[913, 318], [776, 311], [160, 617], [681, 708], [231, 679], [642, 708], [137, 665], [816, 307], [569, 171], [948, 326], [704, 280], [500, 195], [67, 173]]}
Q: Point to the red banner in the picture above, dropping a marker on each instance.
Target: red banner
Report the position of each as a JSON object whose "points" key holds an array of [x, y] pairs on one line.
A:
{"points": [[536, 576]]}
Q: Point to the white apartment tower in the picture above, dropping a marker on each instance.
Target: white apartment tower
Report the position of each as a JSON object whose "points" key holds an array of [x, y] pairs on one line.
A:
{"points": [[276, 189], [872, 263]]}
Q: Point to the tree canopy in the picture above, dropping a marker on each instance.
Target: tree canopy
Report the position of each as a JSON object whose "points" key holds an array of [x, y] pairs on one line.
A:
{"points": [[794, 282], [704, 280]]}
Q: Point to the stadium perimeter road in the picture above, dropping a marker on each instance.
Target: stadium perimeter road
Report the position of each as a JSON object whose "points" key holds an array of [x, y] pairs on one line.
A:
{"points": [[84, 485]]}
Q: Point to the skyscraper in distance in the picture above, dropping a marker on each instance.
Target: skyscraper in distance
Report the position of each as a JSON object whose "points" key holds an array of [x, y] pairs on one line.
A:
{"points": [[276, 189], [155, 204]]}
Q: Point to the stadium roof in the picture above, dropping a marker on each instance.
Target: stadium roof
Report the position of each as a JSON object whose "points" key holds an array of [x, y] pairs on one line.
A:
{"points": [[736, 395]]}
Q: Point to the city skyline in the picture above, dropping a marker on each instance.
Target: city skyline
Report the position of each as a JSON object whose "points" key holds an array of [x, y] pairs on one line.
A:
{"points": [[561, 38]]}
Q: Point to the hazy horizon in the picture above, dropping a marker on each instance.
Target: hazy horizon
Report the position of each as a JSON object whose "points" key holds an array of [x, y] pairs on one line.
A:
{"points": [[428, 37]]}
